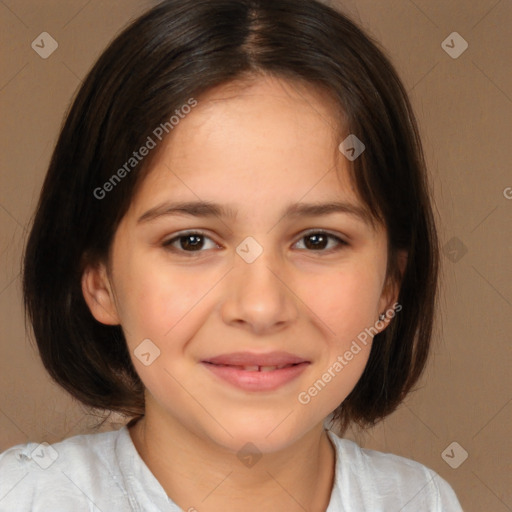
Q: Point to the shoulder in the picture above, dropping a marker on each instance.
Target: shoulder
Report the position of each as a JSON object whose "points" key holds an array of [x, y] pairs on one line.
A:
{"points": [[384, 481], [56, 477]]}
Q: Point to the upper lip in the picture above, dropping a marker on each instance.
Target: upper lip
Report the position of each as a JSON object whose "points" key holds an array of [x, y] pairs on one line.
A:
{"points": [[251, 359]]}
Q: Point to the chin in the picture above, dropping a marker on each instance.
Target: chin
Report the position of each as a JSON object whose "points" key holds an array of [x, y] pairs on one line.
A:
{"points": [[268, 434]]}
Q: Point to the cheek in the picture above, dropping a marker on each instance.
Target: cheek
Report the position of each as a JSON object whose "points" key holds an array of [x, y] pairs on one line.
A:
{"points": [[345, 305], [158, 302], [162, 306], [346, 301]]}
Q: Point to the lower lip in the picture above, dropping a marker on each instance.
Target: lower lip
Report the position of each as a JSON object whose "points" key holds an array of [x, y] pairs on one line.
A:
{"points": [[257, 381]]}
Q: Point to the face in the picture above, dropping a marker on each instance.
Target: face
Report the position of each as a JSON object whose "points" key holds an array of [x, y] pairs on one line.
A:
{"points": [[226, 294]]}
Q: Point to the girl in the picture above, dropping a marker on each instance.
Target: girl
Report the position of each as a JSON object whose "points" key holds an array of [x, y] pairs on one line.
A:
{"points": [[234, 244]]}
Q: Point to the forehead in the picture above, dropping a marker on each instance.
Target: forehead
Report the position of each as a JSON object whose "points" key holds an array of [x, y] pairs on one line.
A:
{"points": [[273, 111], [246, 143]]}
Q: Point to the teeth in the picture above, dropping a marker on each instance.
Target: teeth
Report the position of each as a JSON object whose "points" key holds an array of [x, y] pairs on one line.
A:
{"points": [[263, 368], [256, 368]]}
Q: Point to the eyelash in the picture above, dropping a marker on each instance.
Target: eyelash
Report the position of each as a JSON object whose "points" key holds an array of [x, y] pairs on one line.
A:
{"points": [[168, 244]]}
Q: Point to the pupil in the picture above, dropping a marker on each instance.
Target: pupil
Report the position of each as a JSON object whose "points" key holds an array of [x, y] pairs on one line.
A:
{"points": [[196, 242], [317, 238]]}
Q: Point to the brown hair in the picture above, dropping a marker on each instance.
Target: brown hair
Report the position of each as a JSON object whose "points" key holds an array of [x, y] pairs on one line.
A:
{"points": [[178, 50]]}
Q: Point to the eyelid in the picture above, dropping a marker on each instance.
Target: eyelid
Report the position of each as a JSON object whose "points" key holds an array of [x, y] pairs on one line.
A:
{"points": [[312, 231], [341, 242], [179, 234], [323, 231]]}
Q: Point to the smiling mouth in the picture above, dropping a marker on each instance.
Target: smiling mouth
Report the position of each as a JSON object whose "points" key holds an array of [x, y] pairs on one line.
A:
{"points": [[256, 378], [255, 368], [252, 361]]}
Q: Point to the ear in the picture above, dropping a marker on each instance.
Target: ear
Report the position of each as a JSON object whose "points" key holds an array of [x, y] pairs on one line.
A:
{"points": [[391, 291], [98, 294]]}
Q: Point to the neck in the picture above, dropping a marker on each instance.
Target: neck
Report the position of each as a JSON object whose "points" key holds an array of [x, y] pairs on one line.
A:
{"points": [[198, 474]]}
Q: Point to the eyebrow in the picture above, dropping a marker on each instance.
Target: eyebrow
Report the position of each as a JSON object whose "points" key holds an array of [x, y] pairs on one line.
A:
{"points": [[296, 210]]}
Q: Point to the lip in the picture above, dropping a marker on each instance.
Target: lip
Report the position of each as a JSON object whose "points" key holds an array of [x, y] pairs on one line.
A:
{"points": [[253, 359], [228, 367]]}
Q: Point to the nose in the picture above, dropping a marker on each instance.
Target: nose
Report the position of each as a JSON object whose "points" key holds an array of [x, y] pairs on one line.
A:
{"points": [[259, 295]]}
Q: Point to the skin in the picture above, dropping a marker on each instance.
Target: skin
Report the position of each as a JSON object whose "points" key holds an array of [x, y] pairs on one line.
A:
{"points": [[256, 149]]}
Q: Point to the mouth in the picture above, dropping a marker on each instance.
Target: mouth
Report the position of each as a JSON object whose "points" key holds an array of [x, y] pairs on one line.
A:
{"points": [[256, 372], [252, 360], [255, 368]]}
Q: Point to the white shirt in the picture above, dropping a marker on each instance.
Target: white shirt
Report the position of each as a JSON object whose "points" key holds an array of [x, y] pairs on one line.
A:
{"points": [[104, 473]]}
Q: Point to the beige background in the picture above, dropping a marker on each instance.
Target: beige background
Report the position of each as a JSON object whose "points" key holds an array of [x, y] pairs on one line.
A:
{"points": [[464, 106]]}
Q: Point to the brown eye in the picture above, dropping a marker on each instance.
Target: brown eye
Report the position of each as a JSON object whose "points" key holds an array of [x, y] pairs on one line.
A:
{"points": [[319, 241], [189, 242]]}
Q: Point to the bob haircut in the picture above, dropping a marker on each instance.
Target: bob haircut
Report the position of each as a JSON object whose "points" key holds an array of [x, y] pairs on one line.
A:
{"points": [[178, 50]]}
